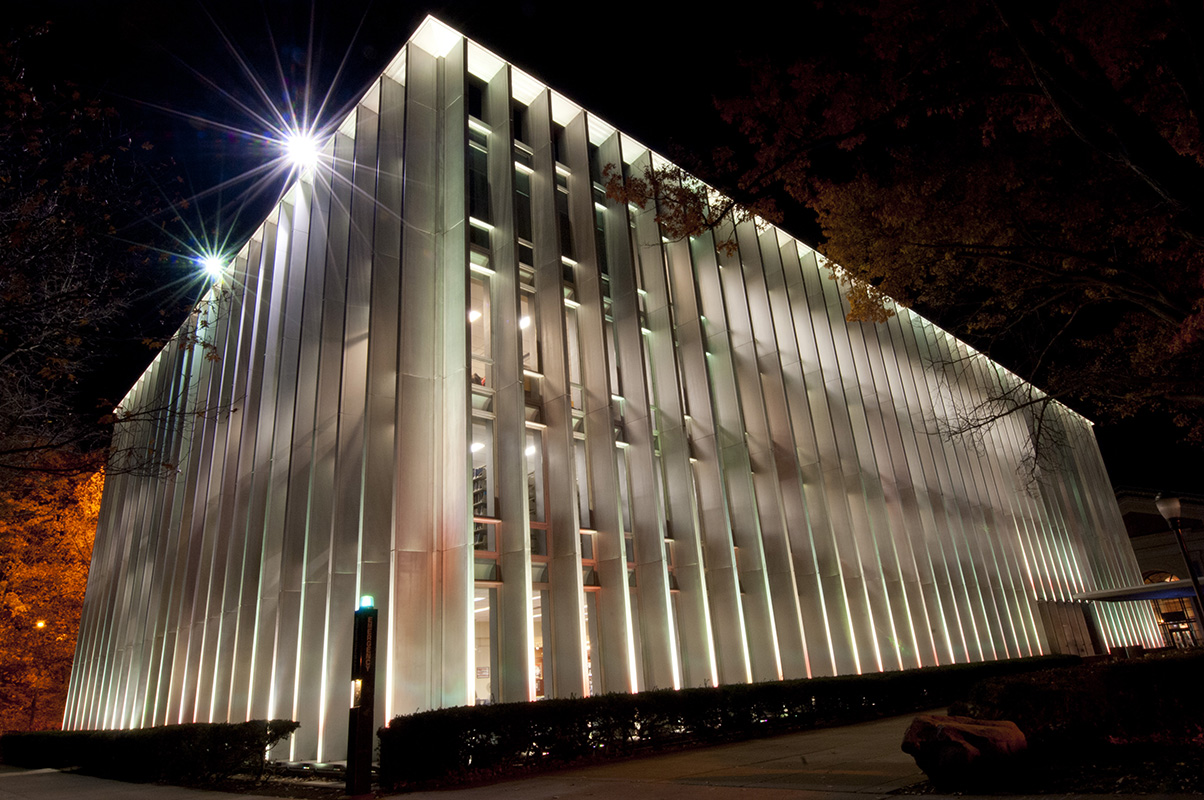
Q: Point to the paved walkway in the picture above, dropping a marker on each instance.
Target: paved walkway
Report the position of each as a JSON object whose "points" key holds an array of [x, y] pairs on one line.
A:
{"points": [[855, 762]]}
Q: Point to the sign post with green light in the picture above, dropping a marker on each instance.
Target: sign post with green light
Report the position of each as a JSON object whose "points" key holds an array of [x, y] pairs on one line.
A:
{"points": [[363, 699]]}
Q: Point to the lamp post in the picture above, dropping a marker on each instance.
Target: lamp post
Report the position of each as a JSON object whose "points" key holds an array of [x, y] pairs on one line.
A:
{"points": [[1172, 511], [363, 693]]}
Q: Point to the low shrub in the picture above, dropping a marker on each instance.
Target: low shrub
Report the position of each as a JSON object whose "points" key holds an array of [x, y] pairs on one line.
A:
{"points": [[514, 737], [1098, 701], [197, 753]]}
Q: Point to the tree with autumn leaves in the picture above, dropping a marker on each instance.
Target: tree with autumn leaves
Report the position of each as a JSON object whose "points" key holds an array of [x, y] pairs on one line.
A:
{"points": [[1030, 175], [47, 525]]}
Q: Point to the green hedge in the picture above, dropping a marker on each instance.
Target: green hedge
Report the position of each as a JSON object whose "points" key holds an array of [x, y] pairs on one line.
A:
{"points": [[513, 737], [1103, 700], [198, 753]]}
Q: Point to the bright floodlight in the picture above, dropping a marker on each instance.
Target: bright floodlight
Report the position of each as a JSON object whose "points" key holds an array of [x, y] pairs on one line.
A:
{"points": [[212, 265], [301, 149]]}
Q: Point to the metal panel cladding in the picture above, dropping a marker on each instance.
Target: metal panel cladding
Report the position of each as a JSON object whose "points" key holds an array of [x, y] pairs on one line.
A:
{"points": [[565, 454]]}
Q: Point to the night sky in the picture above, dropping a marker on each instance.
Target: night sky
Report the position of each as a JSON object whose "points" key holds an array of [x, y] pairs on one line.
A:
{"points": [[184, 76]]}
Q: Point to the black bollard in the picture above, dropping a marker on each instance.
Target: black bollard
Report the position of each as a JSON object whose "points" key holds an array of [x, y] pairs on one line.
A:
{"points": [[363, 696]]}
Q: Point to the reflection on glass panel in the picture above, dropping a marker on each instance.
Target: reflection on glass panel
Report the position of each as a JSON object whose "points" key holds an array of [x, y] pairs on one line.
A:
{"points": [[528, 329], [660, 486], [582, 469], [591, 636], [480, 320], [624, 487], [600, 239], [484, 614], [543, 635], [570, 320], [535, 482], [613, 354], [483, 475], [559, 143], [522, 155], [476, 97], [637, 635], [562, 218], [531, 393], [478, 237], [478, 183], [574, 358], [522, 204]]}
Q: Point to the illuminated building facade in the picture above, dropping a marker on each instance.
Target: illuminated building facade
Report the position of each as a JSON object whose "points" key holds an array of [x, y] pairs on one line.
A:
{"points": [[564, 455]]}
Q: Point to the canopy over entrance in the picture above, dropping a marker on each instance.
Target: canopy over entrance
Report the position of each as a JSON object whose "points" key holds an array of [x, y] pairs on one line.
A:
{"points": [[1163, 590]]}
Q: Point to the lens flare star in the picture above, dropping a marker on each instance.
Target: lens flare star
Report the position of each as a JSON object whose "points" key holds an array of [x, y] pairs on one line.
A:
{"points": [[213, 265], [301, 148]]}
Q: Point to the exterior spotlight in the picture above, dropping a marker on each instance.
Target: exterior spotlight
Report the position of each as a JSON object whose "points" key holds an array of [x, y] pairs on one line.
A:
{"points": [[477, 447], [474, 315], [40, 623], [301, 149], [524, 322], [213, 266]]}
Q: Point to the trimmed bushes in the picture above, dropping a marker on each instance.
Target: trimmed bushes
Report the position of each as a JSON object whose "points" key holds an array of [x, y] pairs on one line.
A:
{"points": [[1155, 695], [198, 753], [513, 737]]}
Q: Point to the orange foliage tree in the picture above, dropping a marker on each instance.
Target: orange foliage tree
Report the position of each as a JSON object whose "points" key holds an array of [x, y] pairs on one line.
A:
{"points": [[47, 526]]}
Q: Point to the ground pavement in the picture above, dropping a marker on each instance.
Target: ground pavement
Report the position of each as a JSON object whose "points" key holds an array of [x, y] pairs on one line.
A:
{"points": [[854, 762]]}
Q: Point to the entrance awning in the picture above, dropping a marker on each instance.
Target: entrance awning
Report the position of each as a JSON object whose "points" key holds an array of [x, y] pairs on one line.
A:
{"points": [[1164, 590]]}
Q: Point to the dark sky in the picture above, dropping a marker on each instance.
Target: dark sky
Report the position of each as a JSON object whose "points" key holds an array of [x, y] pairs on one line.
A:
{"points": [[179, 71]]}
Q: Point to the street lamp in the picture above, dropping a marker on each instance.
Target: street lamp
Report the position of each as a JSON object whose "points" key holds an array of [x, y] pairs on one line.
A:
{"points": [[1172, 511], [363, 699]]}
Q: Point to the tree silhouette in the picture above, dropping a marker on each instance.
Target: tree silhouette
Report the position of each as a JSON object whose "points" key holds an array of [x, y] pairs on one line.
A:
{"points": [[1029, 175], [81, 209]]}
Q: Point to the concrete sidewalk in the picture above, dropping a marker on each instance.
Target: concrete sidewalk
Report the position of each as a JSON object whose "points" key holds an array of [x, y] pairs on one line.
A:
{"points": [[854, 762], [50, 784]]}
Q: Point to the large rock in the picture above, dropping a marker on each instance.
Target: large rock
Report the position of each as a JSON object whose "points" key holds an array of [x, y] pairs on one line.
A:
{"points": [[961, 752]]}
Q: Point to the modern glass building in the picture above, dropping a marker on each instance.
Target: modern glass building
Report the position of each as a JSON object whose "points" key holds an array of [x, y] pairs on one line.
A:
{"points": [[564, 454]]}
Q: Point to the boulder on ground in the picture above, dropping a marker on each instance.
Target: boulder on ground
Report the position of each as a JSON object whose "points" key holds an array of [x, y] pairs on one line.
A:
{"points": [[961, 752]]}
